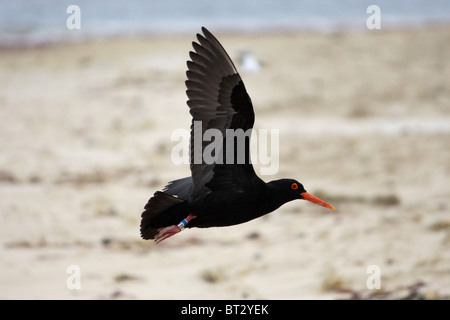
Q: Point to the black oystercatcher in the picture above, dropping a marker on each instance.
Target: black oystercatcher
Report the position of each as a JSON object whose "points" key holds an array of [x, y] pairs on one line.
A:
{"points": [[227, 191]]}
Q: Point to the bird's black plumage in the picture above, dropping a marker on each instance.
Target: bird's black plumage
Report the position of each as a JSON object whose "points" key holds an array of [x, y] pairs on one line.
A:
{"points": [[224, 192], [217, 98]]}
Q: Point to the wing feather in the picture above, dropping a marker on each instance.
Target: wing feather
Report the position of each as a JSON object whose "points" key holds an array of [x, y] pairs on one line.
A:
{"points": [[217, 99]]}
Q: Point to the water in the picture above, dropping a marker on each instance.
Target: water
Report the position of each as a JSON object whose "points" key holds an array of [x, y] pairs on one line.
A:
{"points": [[42, 21]]}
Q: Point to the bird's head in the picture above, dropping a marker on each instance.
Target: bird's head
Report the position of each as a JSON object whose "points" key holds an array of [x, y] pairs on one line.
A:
{"points": [[291, 189]]}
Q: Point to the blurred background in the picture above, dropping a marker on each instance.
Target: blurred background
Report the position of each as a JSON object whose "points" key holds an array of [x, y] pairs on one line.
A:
{"points": [[364, 121], [41, 21]]}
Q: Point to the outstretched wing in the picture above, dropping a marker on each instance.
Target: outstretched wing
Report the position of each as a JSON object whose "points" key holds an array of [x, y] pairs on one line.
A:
{"points": [[218, 100]]}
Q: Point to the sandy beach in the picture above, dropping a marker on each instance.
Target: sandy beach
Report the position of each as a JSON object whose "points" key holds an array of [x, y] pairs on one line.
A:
{"points": [[364, 123]]}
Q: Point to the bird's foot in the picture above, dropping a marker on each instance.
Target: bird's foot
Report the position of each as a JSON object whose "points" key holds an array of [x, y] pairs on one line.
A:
{"points": [[164, 233], [167, 232]]}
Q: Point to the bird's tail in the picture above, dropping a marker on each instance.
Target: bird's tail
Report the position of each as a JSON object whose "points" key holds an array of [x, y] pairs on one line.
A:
{"points": [[156, 216]]}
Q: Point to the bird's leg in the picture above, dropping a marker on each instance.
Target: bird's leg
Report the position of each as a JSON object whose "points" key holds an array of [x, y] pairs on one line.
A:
{"points": [[167, 232]]}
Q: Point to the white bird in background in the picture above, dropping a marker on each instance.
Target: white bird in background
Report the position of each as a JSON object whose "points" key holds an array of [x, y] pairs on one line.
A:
{"points": [[248, 62]]}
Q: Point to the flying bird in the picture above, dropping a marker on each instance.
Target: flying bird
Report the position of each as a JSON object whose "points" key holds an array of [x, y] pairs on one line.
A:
{"points": [[219, 193]]}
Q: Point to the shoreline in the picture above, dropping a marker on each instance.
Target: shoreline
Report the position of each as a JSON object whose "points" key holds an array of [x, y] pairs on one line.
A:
{"points": [[281, 31]]}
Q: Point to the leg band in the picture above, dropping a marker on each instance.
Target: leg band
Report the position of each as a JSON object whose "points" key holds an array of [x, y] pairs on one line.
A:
{"points": [[182, 225]]}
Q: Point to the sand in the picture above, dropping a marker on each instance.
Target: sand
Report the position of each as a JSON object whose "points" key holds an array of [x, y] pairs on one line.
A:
{"points": [[364, 123]]}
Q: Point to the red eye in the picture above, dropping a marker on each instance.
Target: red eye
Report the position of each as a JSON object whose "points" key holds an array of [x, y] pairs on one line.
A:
{"points": [[294, 186]]}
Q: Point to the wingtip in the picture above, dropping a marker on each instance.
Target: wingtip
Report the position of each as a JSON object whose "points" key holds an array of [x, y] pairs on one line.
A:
{"points": [[206, 32]]}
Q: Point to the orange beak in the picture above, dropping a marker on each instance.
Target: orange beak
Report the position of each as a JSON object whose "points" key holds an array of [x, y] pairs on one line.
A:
{"points": [[313, 199]]}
